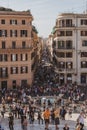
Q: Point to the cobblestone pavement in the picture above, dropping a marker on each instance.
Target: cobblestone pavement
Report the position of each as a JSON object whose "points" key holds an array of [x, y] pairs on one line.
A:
{"points": [[17, 125]]}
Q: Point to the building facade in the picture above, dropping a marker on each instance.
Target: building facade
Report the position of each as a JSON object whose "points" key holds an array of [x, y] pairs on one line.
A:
{"points": [[70, 48], [49, 46], [17, 49]]}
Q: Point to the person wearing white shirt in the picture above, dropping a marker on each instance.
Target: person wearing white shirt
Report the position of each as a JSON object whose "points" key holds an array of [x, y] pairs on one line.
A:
{"points": [[81, 120]]}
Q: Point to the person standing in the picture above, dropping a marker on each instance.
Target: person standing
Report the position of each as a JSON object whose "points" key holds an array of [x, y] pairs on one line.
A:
{"points": [[80, 120], [46, 116], [11, 121], [56, 115], [31, 116], [25, 123], [3, 109], [78, 126], [52, 116], [40, 117], [63, 112]]}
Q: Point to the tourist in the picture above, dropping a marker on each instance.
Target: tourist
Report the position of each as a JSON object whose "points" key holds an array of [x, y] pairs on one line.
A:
{"points": [[11, 121], [66, 127], [80, 120], [25, 123], [46, 115], [56, 115], [63, 112]]}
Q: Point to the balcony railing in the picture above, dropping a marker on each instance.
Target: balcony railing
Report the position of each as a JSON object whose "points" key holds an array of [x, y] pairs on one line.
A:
{"points": [[66, 25], [66, 47], [16, 48], [66, 70]]}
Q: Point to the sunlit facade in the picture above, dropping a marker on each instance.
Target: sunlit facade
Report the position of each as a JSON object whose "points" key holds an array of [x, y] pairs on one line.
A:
{"points": [[70, 48], [18, 51]]}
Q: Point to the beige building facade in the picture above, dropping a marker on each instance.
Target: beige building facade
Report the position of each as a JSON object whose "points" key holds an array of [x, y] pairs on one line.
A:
{"points": [[17, 49], [70, 48]]}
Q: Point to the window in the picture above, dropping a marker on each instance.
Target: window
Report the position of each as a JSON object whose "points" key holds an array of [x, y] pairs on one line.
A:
{"points": [[83, 54], [69, 65], [23, 22], [14, 57], [61, 65], [23, 82], [83, 64], [68, 44], [83, 78], [3, 45], [68, 33], [23, 57], [83, 33], [14, 70], [23, 33], [4, 85], [69, 78], [61, 44], [83, 21], [69, 54], [13, 22], [61, 33], [2, 21], [4, 72], [61, 78], [13, 45], [68, 22], [24, 69], [13, 33], [62, 23], [69, 75], [14, 84], [23, 44], [84, 43], [60, 54], [3, 57], [3, 33]]}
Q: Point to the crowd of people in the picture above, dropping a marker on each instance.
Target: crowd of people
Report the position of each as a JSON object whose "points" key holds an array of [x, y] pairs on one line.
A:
{"points": [[26, 113], [19, 104]]}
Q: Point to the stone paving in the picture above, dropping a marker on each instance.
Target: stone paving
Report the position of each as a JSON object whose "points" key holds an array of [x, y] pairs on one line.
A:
{"points": [[17, 125]]}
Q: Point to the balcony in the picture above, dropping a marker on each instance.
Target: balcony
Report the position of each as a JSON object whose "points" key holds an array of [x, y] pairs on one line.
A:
{"points": [[66, 25], [65, 48], [9, 49], [30, 47], [66, 70]]}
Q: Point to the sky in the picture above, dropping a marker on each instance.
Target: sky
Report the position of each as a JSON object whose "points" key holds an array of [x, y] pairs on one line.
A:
{"points": [[45, 12]]}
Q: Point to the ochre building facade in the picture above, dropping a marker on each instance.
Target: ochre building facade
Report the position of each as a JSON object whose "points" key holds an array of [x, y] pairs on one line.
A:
{"points": [[17, 50]]}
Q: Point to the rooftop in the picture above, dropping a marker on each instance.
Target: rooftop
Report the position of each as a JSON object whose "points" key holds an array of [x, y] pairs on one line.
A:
{"points": [[73, 14], [9, 11]]}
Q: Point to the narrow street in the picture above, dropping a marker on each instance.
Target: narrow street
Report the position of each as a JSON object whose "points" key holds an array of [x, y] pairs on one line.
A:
{"points": [[45, 74]]}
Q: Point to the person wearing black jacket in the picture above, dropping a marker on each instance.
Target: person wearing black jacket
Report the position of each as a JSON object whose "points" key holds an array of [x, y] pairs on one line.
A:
{"points": [[63, 113], [11, 121]]}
